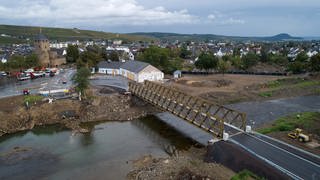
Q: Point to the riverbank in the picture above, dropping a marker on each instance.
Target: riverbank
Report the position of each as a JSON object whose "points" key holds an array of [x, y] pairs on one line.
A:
{"points": [[187, 165], [100, 105]]}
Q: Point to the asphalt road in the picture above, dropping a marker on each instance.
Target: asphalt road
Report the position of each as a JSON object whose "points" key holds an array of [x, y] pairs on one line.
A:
{"points": [[295, 162], [259, 113], [12, 87], [292, 164], [107, 80]]}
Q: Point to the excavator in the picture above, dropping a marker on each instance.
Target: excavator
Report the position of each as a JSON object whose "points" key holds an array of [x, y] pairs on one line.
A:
{"points": [[297, 134]]}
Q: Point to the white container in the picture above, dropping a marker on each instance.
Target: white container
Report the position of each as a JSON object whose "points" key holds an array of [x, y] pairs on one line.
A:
{"points": [[248, 129], [225, 136]]}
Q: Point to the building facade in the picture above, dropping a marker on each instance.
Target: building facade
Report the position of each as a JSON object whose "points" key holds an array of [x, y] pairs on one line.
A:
{"points": [[134, 70], [47, 58]]}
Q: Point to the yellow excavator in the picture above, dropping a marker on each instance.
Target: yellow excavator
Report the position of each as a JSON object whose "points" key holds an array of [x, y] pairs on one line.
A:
{"points": [[297, 134]]}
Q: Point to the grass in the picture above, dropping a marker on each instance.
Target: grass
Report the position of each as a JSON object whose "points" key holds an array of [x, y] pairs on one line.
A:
{"points": [[245, 175], [62, 34], [307, 121], [31, 99], [266, 94], [292, 82]]}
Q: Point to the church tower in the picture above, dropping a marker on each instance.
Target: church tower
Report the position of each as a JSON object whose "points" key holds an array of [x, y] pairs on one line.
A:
{"points": [[42, 49]]}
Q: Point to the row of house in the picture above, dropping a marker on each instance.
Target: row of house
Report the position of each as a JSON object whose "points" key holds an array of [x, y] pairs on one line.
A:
{"points": [[134, 70]]}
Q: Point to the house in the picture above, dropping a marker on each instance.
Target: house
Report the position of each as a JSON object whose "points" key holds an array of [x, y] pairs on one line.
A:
{"points": [[177, 74], [109, 67], [140, 71], [133, 70]]}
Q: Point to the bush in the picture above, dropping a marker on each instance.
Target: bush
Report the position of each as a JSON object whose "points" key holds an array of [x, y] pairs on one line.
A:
{"points": [[31, 99]]}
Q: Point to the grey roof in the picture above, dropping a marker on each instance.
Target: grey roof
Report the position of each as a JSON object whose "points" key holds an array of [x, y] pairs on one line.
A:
{"points": [[40, 37], [109, 65], [134, 66]]}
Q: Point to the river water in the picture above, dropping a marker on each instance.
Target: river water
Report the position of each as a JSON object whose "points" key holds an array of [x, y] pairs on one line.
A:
{"points": [[53, 152]]}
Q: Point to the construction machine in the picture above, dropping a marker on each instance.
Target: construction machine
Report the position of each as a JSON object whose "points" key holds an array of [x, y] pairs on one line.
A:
{"points": [[297, 134]]}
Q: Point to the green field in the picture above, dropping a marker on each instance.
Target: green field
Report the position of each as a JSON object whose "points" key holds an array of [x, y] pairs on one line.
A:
{"points": [[21, 33], [308, 121]]}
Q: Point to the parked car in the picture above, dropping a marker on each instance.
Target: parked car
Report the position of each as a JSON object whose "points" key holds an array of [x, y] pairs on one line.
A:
{"points": [[2, 73], [26, 92]]}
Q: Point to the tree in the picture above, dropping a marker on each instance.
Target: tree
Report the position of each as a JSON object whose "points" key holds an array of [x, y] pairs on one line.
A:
{"points": [[184, 53], [302, 57], [314, 64], [207, 61], [236, 62], [81, 79], [72, 53], [114, 56], [296, 67], [223, 66], [279, 59], [264, 57], [249, 60], [32, 60], [158, 57], [90, 58]]}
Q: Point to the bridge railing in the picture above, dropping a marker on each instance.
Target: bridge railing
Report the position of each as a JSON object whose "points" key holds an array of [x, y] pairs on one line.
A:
{"points": [[198, 111]]}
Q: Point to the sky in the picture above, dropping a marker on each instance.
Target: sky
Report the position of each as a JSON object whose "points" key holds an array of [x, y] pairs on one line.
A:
{"points": [[223, 17]]}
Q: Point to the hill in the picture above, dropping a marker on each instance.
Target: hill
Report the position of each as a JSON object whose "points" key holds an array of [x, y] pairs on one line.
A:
{"points": [[19, 34], [204, 37]]}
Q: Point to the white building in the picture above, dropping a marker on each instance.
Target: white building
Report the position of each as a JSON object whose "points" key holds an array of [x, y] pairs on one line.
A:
{"points": [[111, 68], [59, 45], [134, 70], [122, 49], [311, 53]]}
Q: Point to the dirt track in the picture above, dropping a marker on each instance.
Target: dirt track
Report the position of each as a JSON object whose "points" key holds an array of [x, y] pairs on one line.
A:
{"points": [[232, 88]]}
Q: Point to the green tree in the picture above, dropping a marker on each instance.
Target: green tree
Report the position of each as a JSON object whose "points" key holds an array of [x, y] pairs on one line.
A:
{"points": [[314, 64], [302, 57], [72, 53], [81, 80], [207, 61], [113, 56], [278, 59], [184, 53], [236, 62], [296, 67], [158, 57], [264, 57], [90, 58], [32, 60], [249, 60], [223, 66]]}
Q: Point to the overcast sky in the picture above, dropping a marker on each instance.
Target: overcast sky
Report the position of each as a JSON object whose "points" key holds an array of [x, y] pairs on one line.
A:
{"points": [[225, 17]]}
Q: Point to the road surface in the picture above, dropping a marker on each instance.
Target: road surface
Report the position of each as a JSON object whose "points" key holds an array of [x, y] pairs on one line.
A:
{"points": [[12, 87], [107, 80], [295, 162], [259, 113]]}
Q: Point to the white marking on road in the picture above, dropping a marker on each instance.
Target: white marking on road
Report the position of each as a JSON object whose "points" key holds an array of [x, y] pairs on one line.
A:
{"points": [[301, 158], [292, 175], [293, 147]]}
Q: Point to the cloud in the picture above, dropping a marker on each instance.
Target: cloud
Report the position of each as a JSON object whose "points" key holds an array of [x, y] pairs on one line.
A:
{"points": [[219, 18], [95, 13], [233, 21], [211, 16]]}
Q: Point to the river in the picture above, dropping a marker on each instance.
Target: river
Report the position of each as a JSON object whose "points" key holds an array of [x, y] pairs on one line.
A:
{"points": [[54, 152]]}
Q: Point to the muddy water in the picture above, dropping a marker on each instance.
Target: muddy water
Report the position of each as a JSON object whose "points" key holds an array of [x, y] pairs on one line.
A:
{"points": [[106, 153]]}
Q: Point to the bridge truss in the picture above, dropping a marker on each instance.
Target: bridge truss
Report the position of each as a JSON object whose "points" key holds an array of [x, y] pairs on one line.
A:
{"points": [[198, 111]]}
